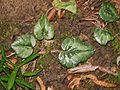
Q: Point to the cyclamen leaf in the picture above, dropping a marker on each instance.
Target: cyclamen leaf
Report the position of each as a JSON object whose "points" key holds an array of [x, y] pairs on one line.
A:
{"points": [[43, 29], [70, 5], [102, 36], [75, 51], [23, 45], [108, 12]]}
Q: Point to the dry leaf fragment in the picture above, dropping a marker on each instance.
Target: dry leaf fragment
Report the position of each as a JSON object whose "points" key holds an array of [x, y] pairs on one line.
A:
{"points": [[83, 68], [51, 13], [98, 82], [13, 60], [75, 82], [41, 83], [107, 71], [24, 67]]}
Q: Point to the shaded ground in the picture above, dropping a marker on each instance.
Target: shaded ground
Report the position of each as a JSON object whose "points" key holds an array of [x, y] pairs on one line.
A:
{"points": [[18, 17]]}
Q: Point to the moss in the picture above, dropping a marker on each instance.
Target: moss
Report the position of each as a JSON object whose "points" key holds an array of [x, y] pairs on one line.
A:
{"points": [[6, 29], [71, 16], [116, 41], [112, 79]]}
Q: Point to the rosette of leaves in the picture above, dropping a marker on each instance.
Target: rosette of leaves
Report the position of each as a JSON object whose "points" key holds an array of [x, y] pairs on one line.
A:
{"points": [[102, 36], [70, 5], [108, 12], [74, 52], [43, 29], [23, 45]]}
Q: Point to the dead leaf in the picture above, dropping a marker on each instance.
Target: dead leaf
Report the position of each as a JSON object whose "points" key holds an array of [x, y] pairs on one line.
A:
{"points": [[41, 83], [107, 71], [51, 13], [84, 37], [13, 60], [83, 68], [98, 82], [24, 67], [75, 82], [114, 69]]}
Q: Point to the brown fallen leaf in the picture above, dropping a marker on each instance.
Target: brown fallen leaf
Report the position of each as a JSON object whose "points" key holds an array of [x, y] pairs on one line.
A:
{"points": [[51, 13], [83, 68], [41, 83], [13, 61], [24, 67], [75, 82], [98, 82], [84, 37]]}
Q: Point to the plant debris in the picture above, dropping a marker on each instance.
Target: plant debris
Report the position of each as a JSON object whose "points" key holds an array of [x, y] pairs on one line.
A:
{"points": [[41, 83], [75, 82], [88, 68]]}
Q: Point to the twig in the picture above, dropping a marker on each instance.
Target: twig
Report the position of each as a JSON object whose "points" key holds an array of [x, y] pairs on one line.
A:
{"points": [[41, 83], [107, 71], [87, 68], [10, 54]]}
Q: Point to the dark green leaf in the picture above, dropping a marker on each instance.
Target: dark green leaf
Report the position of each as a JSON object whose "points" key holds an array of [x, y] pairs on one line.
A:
{"points": [[70, 5], [102, 36], [108, 12], [23, 45], [43, 29], [75, 51]]}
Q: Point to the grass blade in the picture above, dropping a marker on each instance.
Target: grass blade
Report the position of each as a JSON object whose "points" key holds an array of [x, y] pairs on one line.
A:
{"points": [[24, 83], [26, 60], [35, 72], [12, 78], [3, 58]]}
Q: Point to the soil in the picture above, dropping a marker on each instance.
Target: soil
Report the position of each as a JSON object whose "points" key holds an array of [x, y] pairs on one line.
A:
{"points": [[18, 17]]}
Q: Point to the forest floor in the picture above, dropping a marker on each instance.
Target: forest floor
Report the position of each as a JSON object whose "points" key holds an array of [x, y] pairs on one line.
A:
{"points": [[18, 17]]}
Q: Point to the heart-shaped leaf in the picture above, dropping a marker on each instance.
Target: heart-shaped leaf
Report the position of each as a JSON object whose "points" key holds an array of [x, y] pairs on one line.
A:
{"points": [[43, 29], [70, 5], [23, 45], [102, 36], [75, 51], [108, 12]]}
